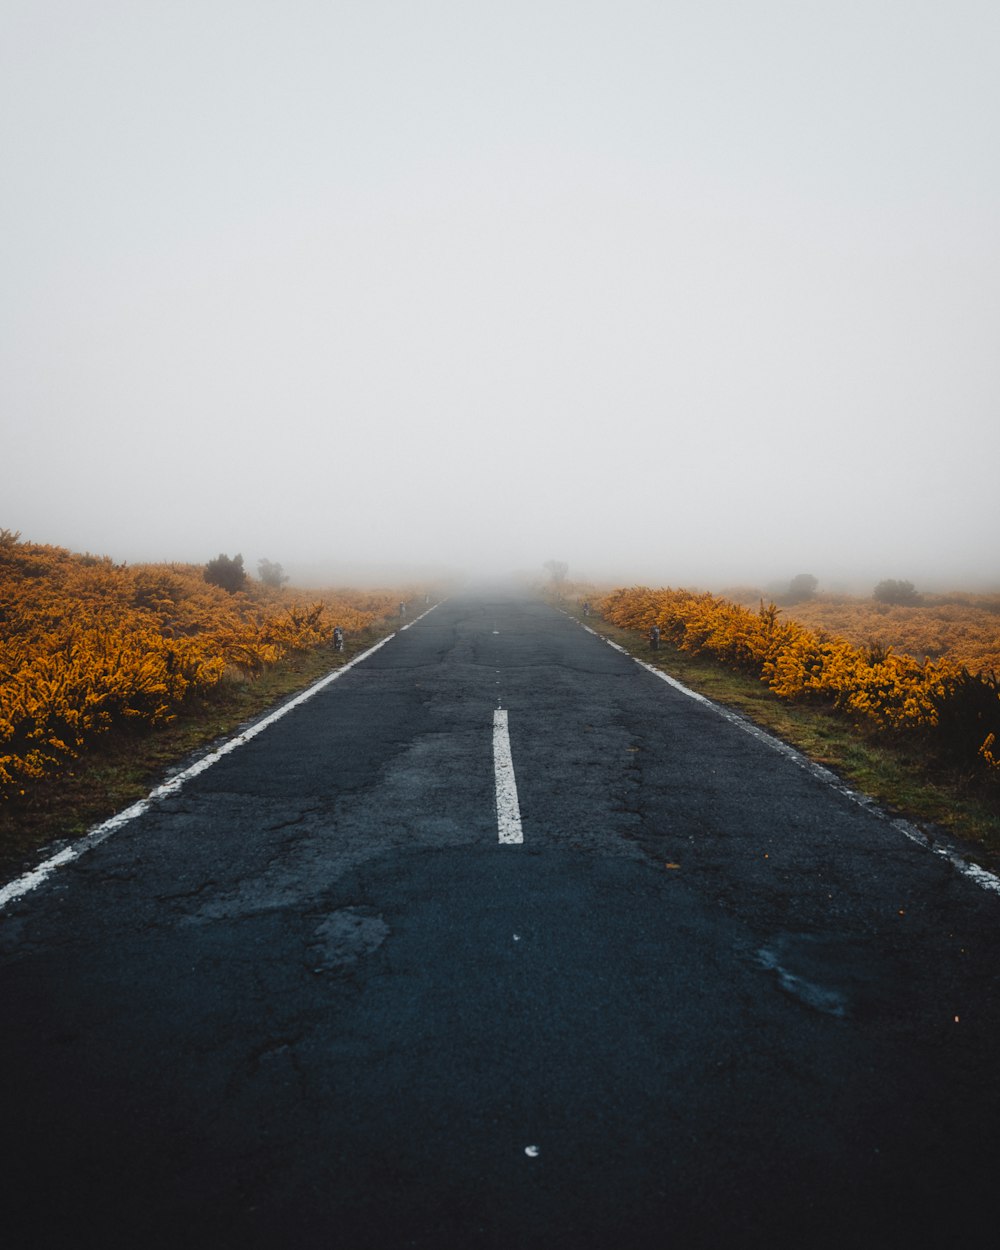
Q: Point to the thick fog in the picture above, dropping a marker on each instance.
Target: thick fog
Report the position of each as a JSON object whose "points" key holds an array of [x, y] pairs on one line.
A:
{"points": [[697, 291]]}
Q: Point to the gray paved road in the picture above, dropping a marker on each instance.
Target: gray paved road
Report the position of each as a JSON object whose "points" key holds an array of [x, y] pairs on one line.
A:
{"points": [[310, 1000]]}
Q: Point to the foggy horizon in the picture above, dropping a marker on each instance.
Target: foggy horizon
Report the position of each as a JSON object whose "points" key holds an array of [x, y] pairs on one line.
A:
{"points": [[677, 293], [319, 575]]}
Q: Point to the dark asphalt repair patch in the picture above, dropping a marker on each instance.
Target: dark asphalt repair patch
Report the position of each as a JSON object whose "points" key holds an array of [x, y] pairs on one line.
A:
{"points": [[344, 937]]}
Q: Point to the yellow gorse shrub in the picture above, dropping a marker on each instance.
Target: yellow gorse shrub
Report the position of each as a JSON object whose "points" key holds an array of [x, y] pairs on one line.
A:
{"points": [[963, 629], [86, 644], [894, 691]]}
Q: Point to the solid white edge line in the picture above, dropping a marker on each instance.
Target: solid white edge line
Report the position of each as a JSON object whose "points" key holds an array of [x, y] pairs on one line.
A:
{"points": [[981, 876], [31, 880], [509, 829]]}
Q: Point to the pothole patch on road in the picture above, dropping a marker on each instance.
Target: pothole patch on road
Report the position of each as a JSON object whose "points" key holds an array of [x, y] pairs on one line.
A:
{"points": [[344, 937]]}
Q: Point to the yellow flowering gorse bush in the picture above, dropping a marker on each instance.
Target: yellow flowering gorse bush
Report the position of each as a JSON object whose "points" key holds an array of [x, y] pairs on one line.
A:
{"points": [[892, 691], [963, 629], [86, 644]]}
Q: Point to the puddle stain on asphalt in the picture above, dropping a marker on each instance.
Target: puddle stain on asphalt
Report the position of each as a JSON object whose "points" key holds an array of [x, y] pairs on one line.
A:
{"points": [[825, 973]]}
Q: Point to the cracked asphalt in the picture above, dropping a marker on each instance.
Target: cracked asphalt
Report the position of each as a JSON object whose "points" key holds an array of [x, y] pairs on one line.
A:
{"points": [[310, 1001]]}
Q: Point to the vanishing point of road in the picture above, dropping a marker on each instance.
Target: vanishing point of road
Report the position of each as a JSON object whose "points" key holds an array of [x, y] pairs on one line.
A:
{"points": [[499, 940]]}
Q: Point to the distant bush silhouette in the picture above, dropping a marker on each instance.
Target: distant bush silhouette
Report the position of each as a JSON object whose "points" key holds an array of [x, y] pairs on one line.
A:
{"points": [[226, 572], [892, 591], [802, 587], [271, 573]]}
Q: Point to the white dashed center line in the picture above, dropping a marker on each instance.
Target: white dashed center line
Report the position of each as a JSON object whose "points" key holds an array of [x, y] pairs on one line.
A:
{"points": [[508, 811]]}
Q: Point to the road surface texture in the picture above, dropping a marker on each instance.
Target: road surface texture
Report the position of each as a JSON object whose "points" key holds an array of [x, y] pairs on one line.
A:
{"points": [[311, 999]]}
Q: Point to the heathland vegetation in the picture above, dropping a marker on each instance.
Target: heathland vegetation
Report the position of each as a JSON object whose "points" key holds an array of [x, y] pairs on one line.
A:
{"points": [[938, 693], [90, 648], [959, 629]]}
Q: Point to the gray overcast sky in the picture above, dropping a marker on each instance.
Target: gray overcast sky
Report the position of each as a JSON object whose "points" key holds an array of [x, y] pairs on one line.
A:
{"points": [[687, 291]]}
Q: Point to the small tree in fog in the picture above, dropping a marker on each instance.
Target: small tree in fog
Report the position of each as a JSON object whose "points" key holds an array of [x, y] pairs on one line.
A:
{"points": [[271, 573], [557, 570], [892, 591], [226, 572], [802, 587]]}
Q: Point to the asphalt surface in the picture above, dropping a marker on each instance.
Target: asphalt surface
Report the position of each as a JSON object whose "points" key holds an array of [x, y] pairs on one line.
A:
{"points": [[310, 1000]]}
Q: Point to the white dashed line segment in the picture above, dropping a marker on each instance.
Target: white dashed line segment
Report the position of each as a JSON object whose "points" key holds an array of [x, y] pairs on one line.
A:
{"points": [[508, 810]]}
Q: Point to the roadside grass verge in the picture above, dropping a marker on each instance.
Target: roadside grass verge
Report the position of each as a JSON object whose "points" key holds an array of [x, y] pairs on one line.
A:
{"points": [[127, 762], [888, 769]]}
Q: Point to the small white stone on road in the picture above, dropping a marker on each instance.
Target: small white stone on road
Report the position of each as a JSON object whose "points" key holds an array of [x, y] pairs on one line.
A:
{"points": [[531, 1152]]}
